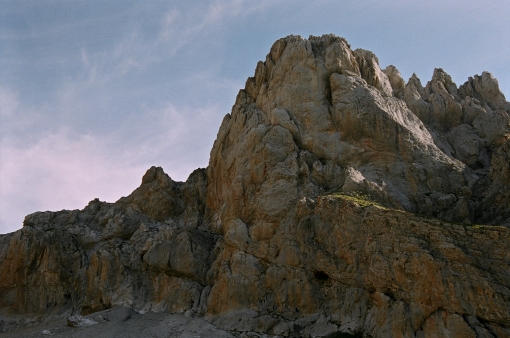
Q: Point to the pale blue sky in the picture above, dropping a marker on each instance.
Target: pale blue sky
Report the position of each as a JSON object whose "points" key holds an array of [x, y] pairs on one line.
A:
{"points": [[93, 93]]}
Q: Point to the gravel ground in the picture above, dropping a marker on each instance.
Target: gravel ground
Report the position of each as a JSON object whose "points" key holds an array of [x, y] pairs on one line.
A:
{"points": [[123, 323]]}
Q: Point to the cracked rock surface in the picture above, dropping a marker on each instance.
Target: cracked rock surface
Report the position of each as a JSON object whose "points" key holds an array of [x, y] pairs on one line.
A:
{"points": [[338, 199]]}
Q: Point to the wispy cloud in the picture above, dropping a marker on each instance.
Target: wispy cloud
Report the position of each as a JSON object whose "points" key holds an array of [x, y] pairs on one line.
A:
{"points": [[66, 169], [195, 20], [60, 171], [89, 101], [178, 29], [8, 102], [179, 139]]}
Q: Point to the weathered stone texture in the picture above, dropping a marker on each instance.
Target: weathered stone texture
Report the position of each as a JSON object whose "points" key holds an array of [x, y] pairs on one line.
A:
{"points": [[337, 198]]}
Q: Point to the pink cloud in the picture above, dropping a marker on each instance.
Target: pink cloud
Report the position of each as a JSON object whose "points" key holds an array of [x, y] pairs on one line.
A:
{"points": [[65, 170], [60, 172]]}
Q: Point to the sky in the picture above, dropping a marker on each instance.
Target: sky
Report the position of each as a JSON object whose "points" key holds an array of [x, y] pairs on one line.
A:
{"points": [[94, 93]]}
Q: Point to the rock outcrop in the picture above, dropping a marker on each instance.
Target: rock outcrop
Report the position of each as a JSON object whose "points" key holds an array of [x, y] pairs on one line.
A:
{"points": [[337, 198]]}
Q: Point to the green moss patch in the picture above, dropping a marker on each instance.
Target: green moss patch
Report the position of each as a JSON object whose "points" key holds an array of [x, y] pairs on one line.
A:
{"points": [[360, 199]]}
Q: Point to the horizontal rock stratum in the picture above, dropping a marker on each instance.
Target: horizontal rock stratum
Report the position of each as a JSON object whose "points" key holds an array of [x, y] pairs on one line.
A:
{"points": [[338, 199]]}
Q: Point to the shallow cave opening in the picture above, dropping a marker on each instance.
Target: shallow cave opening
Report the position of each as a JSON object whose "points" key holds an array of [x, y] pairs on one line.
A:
{"points": [[321, 275]]}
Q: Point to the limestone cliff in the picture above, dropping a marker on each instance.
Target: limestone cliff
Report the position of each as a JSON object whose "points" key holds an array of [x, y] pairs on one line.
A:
{"points": [[337, 198]]}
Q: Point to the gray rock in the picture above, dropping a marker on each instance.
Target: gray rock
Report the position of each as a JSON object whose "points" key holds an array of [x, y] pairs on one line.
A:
{"points": [[337, 199], [79, 321]]}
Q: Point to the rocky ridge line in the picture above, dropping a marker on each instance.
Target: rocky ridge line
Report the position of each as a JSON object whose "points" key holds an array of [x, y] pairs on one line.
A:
{"points": [[337, 198]]}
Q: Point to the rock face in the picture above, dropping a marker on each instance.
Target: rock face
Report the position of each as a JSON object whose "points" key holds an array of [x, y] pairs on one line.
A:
{"points": [[337, 198]]}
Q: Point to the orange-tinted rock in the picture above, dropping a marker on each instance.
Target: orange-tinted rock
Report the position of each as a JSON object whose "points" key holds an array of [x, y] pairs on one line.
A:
{"points": [[337, 199]]}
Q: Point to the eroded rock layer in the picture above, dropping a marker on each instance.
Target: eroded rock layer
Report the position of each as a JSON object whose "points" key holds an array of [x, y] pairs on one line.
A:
{"points": [[337, 198]]}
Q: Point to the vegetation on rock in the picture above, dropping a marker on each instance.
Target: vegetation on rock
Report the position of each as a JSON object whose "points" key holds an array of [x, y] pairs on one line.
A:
{"points": [[337, 199]]}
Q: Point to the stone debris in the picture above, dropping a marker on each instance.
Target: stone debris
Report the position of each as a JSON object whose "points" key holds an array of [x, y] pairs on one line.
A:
{"points": [[79, 321]]}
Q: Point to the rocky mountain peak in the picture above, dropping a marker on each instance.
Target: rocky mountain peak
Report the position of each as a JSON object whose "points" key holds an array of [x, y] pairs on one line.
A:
{"points": [[337, 199], [156, 174], [485, 88], [340, 109], [397, 82]]}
